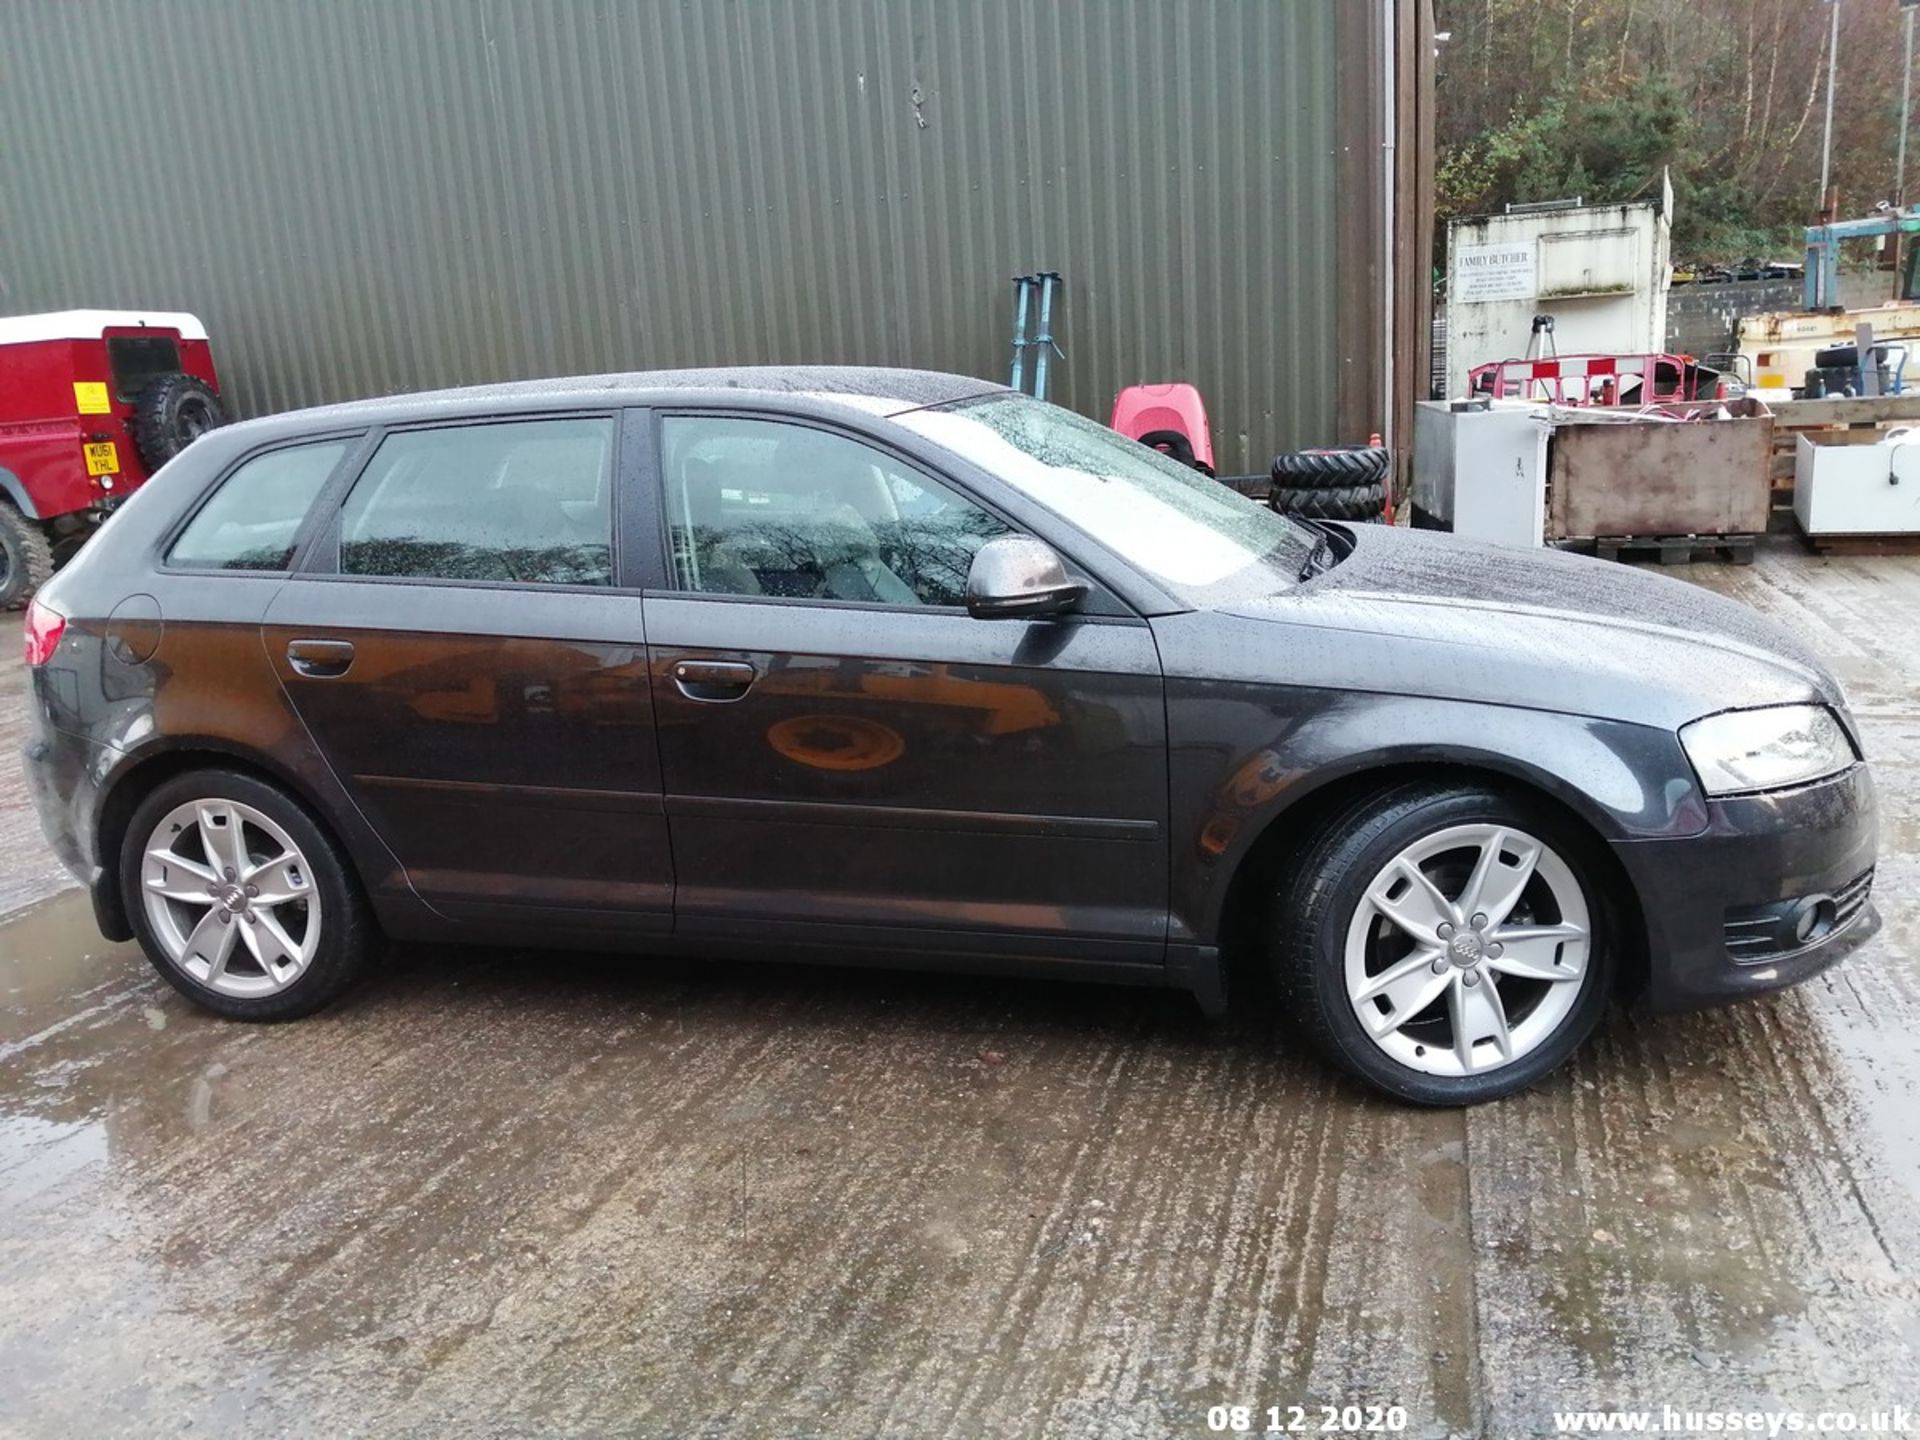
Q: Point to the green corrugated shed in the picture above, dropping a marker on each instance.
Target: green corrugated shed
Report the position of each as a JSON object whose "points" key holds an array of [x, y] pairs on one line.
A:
{"points": [[366, 196]]}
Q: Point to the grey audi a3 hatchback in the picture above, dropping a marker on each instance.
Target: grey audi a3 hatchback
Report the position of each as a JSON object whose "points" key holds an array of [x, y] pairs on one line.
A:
{"points": [[837, 663]]}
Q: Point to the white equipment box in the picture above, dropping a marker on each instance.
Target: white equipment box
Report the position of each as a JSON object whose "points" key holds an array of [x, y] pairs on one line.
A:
{"points": [[1480, 469], [1857, 489]]}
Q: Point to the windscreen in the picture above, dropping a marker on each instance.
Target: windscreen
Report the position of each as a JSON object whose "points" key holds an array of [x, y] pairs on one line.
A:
{"points": [[1204, 542]]}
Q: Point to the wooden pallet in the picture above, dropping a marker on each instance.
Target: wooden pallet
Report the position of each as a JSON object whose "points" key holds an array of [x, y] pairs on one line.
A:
{"points": [[1864, 544], [1677, 549]]}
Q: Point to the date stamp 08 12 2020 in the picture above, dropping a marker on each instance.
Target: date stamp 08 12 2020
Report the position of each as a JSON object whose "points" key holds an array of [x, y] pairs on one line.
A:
{"points": [[1307, 1419]]}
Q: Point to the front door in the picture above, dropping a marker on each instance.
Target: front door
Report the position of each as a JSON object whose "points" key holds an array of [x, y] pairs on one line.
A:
{"points": [[848, 756], [465, 662]]}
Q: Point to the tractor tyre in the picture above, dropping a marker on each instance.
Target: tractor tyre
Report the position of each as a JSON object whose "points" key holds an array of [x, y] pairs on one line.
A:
{"points": [[1328, 469], [1363, 503]]}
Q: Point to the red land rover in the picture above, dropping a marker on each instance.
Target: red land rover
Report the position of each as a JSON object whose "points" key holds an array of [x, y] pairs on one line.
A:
{"points": [[92, 402]]}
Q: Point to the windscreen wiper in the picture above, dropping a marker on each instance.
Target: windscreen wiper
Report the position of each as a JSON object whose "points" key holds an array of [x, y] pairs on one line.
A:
{"points": [[1322, 550]]}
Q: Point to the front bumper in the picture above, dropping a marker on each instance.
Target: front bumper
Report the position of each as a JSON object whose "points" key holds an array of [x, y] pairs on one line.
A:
{"points": [[1776, 855]]}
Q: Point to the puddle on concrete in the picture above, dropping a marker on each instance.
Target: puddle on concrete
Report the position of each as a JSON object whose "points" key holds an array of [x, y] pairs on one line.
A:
{"points": [[943, 1195], [36, 1154], [544, 1187]]}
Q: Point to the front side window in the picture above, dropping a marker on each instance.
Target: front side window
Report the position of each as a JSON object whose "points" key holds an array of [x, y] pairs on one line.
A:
{"points": [[527, 502], [759, 507], [1204, 542], [251, 521]]}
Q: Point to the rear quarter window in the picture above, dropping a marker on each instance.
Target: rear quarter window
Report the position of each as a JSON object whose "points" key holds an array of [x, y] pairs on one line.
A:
{"points": [[252, 519]]}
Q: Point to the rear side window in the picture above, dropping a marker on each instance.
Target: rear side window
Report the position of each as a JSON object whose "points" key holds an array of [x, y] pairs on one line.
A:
{"points": [[251, 521], [527, 502]]}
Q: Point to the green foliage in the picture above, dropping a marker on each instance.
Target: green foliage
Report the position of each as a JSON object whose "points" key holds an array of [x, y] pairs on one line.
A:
{"points": [[1548, 99], [1607, 145]]}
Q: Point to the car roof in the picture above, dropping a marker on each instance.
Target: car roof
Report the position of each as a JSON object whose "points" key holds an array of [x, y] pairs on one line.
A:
{"points": [[868, 390]]}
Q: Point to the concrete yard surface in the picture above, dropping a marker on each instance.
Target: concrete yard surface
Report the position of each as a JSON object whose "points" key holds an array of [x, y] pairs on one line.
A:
{"points": [[510, 1193]]}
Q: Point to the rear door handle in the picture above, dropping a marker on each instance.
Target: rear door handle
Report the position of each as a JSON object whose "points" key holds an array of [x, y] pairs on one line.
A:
{"points": [[715, 681], [320, 659]]}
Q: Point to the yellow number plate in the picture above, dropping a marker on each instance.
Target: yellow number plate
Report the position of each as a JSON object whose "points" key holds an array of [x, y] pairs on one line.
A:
{"points": [[103, 459]]}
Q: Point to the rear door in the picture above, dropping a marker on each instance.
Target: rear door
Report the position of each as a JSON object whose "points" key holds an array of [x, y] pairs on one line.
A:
{"points": [[463, 656], [848, 756]]}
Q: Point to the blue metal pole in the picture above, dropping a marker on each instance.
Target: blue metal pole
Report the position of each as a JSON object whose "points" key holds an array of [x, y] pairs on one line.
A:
{"points": [[1021, 284], [1043, 341]]}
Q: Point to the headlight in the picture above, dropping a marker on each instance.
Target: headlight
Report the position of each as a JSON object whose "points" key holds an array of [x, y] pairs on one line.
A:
{"points": [[1766, 749]]}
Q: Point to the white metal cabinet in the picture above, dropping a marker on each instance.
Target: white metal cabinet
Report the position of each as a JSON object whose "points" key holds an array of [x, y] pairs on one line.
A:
{"points": [[1482, 472], [1857, 489]]}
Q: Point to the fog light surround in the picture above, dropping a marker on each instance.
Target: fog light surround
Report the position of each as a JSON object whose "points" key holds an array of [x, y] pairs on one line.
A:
{"points": [[1811, 921], [1781, 929]]}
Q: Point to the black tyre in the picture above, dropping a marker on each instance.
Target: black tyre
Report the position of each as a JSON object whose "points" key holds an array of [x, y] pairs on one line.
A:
{"points": [[1345, 502], [1327, 469], [241, 900], [1448, 944], [1846, 357], [26, 557], [1175, 446], [170, 414]]}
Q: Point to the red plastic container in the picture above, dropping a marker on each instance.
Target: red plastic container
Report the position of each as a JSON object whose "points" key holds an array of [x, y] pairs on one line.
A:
{"points": [[1170, 417]]}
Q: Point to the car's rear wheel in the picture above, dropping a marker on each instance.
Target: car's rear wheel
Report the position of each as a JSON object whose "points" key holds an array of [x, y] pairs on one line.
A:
{"points": [[1450, 944], [241, 900]]}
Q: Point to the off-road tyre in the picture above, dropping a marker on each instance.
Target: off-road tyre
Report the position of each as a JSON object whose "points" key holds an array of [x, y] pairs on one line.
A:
{"points": [[26, 557], [1315, 900], [349, 938], [1362, 503], [170, 414], [1342, 467]]}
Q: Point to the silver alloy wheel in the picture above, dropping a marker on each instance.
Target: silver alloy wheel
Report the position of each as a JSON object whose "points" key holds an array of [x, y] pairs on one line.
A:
{"points": [[230, 898], [1468, 950]]}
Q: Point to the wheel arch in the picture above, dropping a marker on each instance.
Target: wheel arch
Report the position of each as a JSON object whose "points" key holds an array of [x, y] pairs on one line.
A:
{"points": [[11, 487], [1283, 835], [140, 777]]}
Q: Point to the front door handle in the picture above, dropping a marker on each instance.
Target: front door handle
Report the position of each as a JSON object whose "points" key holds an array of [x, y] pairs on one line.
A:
{"points": [[320, 659], [714, 681]]}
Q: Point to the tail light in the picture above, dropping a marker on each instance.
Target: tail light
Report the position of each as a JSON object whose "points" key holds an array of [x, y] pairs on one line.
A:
{"points": [[45, 626]]}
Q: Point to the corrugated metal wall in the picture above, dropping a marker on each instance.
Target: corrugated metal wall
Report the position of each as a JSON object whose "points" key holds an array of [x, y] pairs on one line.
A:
{"points": [[365, 196]]}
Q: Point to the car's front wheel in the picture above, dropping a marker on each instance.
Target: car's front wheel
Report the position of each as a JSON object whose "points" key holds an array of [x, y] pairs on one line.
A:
{"points": [[1447, 943], [241, 900]]}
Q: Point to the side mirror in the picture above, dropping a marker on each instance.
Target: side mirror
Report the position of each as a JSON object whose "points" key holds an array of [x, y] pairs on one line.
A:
{"points": [[1017, 576]]}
